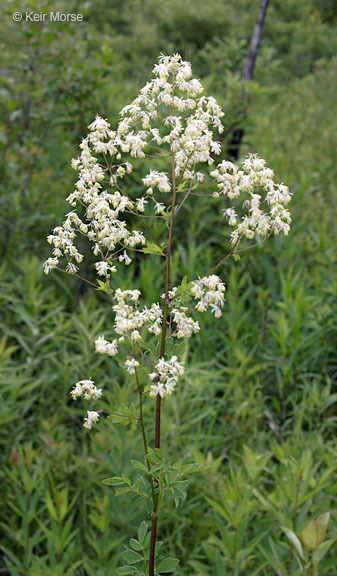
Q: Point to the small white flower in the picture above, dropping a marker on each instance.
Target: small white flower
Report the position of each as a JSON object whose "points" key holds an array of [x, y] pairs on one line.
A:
{"points": [[121, 171], [130, 365], [135, 335], [158, 388], [232, 216], [100, 345], [91, 419], [50, 264], [111, 348], [159, 208], [102, 268], [71, 268], [75, 163], [125, 258], [76, 392], [140, 204], [99, 124]]}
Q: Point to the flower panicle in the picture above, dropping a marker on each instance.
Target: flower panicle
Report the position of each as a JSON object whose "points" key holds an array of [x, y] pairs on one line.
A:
{"points": [[172, 119]]}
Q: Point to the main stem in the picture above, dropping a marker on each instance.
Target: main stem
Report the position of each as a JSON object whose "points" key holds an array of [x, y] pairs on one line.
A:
{"points": [[162, 353], [144, 434]]}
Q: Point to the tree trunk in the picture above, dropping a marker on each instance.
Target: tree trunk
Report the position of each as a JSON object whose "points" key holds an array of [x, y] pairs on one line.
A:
{"points": [[234, 147]]}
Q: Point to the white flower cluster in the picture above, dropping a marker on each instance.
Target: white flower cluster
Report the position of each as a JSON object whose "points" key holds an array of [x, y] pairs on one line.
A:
{"points": [[157, 179], [187, 123], [173, 101], [87, 388], [104, 225], [253, 179], [186, 326], [63, 242], [209, 290], [171, 119], [103, 346], [189, 136], [129, 320], [168, 373]]}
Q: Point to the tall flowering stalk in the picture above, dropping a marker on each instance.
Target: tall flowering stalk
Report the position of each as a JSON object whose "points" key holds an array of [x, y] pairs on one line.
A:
{"points": [[172, 123]]}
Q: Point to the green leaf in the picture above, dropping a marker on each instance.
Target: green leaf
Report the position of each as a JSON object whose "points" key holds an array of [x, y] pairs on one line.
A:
{"points": [[254, 462], [219, 509], [177, 495], [125, 416], [142, 531], [132, 557], [139, 466], [152, 248], [167, 565], [321, 550], [119, 419], [321, 524], [127, 570], [184, 294], [50, 506], [114, 481], [309, 536], [103, 287], [314, 533], [293, 538], [63, 498], [124, 490], [135, 545], [126, 479], [190, 468]]}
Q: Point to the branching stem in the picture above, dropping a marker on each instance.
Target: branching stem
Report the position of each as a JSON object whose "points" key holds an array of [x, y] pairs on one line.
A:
{"points": [[185, 197], [223, 260], [78, 276]]}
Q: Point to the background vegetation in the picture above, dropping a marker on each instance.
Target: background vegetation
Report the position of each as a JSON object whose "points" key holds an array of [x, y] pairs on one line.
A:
{"points": [[258, 403]]}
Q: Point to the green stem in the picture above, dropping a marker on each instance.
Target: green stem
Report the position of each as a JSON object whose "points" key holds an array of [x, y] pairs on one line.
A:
{"points": [[235, 550], [162, 352], [144, 435], [294, 516], [223, 260]]}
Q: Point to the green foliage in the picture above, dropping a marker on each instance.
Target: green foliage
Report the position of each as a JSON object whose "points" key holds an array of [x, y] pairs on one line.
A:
{"points": [[127, 415], [312, 536], [152, 248], [136, 557], [257, 408]]}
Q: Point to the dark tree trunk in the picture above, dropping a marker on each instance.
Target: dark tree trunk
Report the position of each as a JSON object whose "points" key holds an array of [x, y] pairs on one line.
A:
{"points": [[234, 147], [255, 42]]}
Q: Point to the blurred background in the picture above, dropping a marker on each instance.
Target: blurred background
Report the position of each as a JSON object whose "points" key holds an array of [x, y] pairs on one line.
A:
{"points": [[258, 403]]}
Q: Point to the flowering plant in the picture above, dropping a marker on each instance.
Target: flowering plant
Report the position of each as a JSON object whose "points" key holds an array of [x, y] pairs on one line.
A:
{"points": [[171, 122]]}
